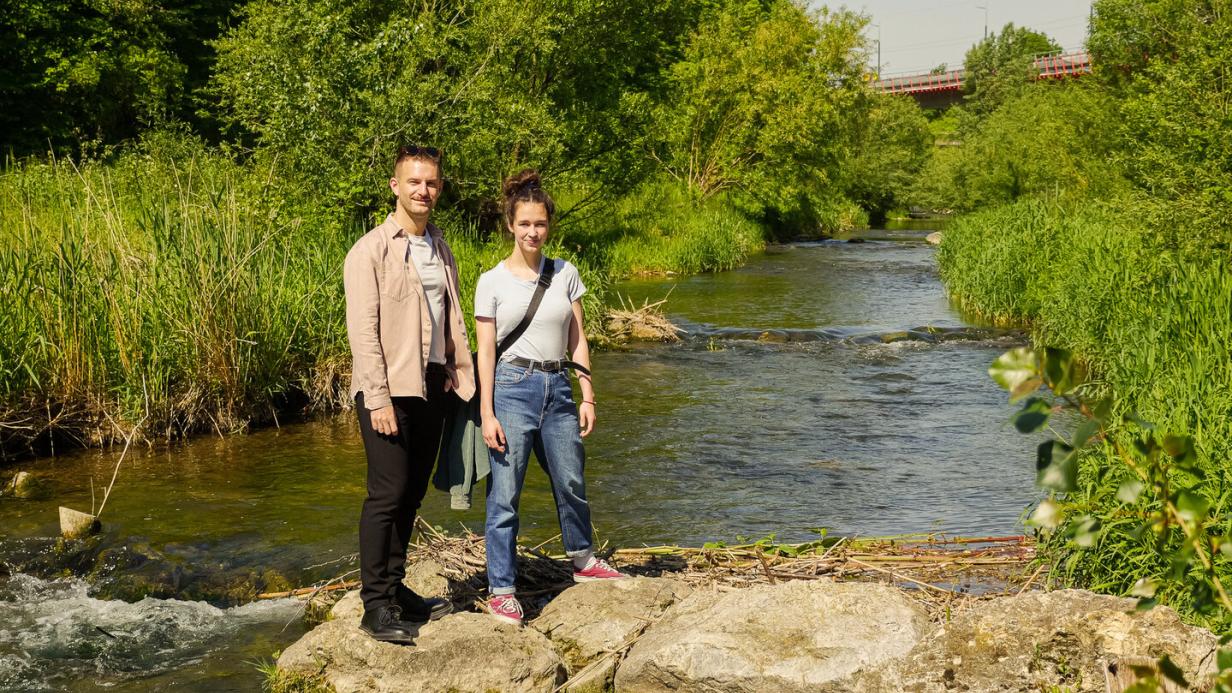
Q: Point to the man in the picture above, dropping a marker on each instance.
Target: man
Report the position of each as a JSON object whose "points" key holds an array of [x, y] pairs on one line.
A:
{"points": [[409, 344]]}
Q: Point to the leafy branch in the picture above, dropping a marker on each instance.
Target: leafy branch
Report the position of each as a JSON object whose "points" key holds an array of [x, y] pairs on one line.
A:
{"points": [[1162, 488]]}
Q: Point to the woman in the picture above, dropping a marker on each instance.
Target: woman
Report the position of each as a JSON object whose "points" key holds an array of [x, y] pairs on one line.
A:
{"points": [[526, 397]]}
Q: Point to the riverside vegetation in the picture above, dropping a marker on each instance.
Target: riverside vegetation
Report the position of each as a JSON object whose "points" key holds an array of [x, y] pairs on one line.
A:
{"points": [[1100, 216], [172, 245], [174, 260]]}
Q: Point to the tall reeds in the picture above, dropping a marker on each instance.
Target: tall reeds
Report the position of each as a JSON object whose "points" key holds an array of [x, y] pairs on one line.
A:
{"points": [[187, 293], [1152, 320], [177, 287]]}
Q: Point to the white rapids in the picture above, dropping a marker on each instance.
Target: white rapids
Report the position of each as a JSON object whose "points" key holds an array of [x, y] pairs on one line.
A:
{"points": [[53, 632]]}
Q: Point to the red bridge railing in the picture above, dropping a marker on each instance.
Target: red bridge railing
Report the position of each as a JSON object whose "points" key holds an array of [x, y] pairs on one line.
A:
{"points": [[1059, 65], [1052, 66]]}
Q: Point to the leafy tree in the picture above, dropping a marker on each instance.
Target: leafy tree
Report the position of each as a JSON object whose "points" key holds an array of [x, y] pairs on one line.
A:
{"points": [[1053, 138], [1002, 65], [77, 73], [761, 105], [893, 143], [1167, 64], [332, 87]]}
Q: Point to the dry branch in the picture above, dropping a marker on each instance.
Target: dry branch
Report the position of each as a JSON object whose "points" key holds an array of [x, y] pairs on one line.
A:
{"points": [[647, 323], [940, 572]]}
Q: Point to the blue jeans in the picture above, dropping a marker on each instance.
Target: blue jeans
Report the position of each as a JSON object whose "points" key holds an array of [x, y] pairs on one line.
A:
{"points": [[537, 412]]}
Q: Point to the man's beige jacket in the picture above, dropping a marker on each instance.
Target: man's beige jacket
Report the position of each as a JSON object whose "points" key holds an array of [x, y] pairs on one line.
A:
{"points": [[388, 323]]}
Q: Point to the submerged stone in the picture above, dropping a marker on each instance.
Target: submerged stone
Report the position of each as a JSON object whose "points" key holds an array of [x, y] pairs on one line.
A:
{"points": [[25, 486], [897, 336], [133, 570], [774, 336]]}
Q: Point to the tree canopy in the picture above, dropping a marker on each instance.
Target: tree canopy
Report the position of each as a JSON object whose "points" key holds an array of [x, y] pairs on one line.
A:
{"points": [[1001, 65], [763, 102], [82, 73]]}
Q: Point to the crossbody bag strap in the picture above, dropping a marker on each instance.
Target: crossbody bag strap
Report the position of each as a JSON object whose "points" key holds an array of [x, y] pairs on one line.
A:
{"points": [[541, 287]]}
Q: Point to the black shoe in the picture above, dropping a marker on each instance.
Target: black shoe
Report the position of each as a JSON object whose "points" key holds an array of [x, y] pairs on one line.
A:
{"points": [[385, 623], [416, 609]]}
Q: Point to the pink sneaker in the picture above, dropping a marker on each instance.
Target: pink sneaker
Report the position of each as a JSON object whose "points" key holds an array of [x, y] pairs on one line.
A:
{"points": [[597, 569], [505, 607]]}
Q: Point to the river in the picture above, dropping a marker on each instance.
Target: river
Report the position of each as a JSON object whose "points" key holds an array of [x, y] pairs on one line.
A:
{"points": [[806, 394]]}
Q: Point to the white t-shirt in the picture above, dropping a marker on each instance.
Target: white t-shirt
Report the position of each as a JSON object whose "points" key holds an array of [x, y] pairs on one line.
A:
{"points": [[503, 296], [431, 271]]}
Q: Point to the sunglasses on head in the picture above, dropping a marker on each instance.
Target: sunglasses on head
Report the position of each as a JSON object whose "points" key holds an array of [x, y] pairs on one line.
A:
{"points": [[415, 150]]}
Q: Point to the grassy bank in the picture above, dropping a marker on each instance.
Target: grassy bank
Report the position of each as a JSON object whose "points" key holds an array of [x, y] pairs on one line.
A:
{"points": [[660, 229], [1154, 324], [177, 290]]}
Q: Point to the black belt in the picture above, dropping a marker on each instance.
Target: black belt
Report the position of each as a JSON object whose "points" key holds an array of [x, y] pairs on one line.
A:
{"points": [[546, 366]]}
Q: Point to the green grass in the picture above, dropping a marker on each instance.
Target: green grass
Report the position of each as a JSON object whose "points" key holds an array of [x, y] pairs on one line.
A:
{"points": [[177, 290], [187, 294], [275, 680], [1154, 324], [660, 229]]}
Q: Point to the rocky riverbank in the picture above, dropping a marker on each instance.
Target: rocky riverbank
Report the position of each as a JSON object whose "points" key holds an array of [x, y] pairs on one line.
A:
{"points": [[663, 634]]}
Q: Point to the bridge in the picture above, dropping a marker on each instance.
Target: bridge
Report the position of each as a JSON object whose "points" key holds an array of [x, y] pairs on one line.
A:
{"points": [[937, 90]]}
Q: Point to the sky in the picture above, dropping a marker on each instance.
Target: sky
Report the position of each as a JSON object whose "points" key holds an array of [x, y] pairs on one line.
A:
{"points": [[917, 35]]}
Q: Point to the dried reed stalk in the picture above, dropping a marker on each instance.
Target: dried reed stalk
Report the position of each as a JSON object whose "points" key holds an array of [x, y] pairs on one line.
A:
{"points": [[943, 573]]}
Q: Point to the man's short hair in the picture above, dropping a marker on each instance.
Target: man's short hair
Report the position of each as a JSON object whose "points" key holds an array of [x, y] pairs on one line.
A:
{"points": [[417, 152]]}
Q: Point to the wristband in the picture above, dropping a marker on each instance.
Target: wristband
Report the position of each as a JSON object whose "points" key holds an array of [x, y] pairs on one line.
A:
{"points": [[591, 402]]}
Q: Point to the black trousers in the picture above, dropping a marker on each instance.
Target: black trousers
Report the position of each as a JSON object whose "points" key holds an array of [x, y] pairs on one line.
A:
{"points": [[399, 468]]}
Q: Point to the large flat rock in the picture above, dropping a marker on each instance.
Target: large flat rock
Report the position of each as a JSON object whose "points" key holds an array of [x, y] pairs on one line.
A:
{"points": [[462, 652], [595, 619], [795, 636], [1063, 640], [790, 637]]}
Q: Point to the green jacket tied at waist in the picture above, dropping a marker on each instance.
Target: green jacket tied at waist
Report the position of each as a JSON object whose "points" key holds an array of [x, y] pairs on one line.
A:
{"points": [[463, 461]]}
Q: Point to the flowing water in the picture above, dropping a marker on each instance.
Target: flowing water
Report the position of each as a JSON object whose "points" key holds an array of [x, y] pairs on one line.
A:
{"points": [[823, 385]]}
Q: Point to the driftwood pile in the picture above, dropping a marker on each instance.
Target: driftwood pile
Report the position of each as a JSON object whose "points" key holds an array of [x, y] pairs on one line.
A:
{"points": [[644, 324], [944, 573]]}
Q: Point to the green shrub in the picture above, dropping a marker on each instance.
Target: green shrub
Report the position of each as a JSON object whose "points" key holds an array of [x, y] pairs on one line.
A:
{"points": [[1050, 138]]}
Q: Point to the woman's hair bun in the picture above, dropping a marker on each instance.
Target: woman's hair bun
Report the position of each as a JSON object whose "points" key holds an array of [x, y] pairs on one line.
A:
{"points": [[525, 186], [526, 179]]}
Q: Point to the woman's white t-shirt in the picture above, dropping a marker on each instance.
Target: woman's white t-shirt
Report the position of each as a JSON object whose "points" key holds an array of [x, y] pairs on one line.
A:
{"points": [[503, 296]]}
